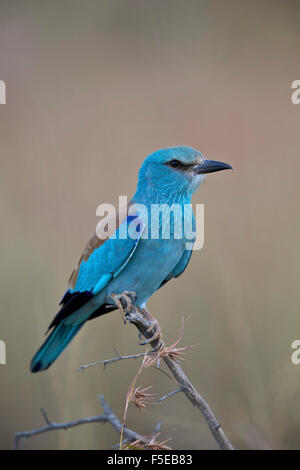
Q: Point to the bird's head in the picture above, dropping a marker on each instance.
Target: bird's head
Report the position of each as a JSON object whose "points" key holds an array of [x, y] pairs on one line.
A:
{"points": [[175, 172]]}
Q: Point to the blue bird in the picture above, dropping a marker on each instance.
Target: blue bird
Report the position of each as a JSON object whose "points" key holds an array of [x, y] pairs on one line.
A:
{"points": [[138, 261]]}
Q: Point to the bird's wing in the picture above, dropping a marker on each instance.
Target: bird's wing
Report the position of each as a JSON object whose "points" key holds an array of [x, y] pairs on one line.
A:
{"points": [[105, 260], [101, 261], [86, 262]]}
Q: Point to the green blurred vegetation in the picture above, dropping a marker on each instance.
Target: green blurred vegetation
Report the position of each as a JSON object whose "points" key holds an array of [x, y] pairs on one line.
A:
{"points": [[92, 88]]}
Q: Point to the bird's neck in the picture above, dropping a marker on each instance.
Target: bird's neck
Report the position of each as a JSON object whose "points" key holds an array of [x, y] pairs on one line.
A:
{"points": [[165, 209], [162, 195]]}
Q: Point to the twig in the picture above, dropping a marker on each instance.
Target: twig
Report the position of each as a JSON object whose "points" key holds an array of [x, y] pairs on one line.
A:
{"points": [[107, 417], [50, 423], [119, 357], [143, 324], [129, 396], [129, 435], [170, 394]]}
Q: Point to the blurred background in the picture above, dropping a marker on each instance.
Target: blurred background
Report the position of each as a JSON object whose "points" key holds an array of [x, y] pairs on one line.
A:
{"points": [[92, 88]]}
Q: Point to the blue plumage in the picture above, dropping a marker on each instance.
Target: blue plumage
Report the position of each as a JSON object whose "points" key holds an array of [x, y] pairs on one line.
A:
{"points": [[139, 262]]}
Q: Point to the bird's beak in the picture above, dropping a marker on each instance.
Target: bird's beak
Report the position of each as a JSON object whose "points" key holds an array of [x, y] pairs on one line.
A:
{"points": [[210, 166]]}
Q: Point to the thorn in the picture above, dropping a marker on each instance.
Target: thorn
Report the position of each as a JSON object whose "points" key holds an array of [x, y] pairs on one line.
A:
{"points": [[46, 417], [117, 353]]}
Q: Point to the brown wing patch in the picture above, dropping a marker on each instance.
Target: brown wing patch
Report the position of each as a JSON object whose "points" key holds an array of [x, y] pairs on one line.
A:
{"points": [[95, 242]]}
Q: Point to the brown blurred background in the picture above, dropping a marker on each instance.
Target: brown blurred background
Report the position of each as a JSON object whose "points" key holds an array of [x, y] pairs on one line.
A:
{"points": [[92, 88]]}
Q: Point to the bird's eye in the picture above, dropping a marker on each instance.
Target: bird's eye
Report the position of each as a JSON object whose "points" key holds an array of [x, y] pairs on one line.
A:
{"points": [[174, 163]]}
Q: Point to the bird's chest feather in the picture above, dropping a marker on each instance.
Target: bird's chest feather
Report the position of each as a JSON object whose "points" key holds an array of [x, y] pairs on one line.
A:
{"points": [[150, 265]]}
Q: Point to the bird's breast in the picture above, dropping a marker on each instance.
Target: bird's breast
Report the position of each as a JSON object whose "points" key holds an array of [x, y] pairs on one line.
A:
{"points": [[150, 265]]}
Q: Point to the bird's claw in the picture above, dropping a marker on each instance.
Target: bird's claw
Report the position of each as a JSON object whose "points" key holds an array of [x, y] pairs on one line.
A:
{"points": [[124, 302], [153, 327]]}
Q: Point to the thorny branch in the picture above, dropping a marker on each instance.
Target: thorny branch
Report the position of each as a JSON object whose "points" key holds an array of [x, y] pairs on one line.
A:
{"points": [[170, 355], [106, 362], [136, 316], [106, 417]]}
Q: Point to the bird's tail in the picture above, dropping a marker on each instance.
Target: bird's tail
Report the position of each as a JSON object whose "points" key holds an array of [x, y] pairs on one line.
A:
{"points": [[54, 345]]}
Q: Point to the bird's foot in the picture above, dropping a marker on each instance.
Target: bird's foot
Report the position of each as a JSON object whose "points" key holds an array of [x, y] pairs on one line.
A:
{"points": [[153, 328], [124, 302]]}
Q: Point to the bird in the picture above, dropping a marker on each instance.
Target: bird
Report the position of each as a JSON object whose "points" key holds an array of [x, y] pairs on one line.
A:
{"points": [[141, 263]]}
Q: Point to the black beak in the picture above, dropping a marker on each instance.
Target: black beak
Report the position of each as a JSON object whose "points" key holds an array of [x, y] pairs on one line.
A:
{"points": [[210, 166]]}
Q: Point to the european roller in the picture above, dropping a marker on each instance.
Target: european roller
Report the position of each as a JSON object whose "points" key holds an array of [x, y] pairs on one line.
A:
{"points": [[130, 258]]}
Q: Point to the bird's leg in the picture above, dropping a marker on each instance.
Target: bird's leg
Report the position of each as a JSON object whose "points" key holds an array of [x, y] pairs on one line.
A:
{"points": [[124, 302], [143, 319], [154, 328]]}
